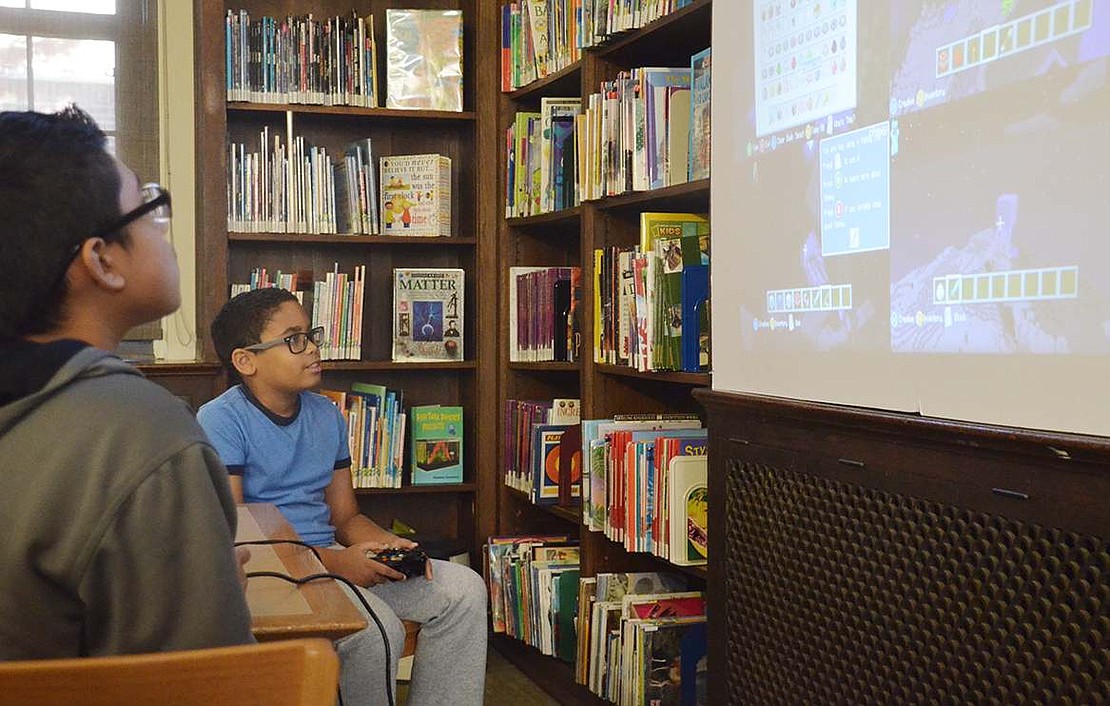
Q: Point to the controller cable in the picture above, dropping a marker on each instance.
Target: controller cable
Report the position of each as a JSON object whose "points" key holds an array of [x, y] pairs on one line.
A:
{"points": [[337, 577]]}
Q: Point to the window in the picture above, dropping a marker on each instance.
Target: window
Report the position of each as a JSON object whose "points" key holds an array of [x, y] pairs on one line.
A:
{"points": [[101, 55]]}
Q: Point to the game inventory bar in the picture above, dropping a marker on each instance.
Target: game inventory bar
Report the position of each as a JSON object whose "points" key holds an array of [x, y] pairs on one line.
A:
{"points": [[1026, 32], [1009, 286], [829, 297]]}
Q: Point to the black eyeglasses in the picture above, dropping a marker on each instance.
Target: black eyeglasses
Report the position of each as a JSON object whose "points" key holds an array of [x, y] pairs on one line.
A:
{"points": [[156, 201], [297, 342]]}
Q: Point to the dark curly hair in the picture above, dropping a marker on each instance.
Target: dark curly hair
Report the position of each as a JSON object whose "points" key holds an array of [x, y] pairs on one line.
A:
{"points": [[58, 185], [241, 320]]}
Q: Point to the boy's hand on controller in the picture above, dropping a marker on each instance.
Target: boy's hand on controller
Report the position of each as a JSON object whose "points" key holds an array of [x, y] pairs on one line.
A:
{"points": [[365, 571]]}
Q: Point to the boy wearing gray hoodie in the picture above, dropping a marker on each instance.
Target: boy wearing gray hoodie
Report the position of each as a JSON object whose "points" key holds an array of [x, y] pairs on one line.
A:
{"points": [[115, 512]]}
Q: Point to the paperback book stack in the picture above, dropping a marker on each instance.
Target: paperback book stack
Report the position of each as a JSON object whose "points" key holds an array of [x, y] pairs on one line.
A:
{"points": [[645, 484], [301, 59], [337, 305], [376, 423], [533, 585], [642, 639], [542, 447]]}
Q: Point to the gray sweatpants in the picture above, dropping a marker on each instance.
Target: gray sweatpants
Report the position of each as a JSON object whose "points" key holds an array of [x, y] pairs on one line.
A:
{"points": [[450, 661]]}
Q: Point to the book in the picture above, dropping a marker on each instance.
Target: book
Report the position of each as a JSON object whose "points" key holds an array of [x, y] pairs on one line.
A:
{"points": [[437, 444], [416, 195], [546, 466], [688, 491], [428, 314], [700, 101], [424, 59], [695, 315]]}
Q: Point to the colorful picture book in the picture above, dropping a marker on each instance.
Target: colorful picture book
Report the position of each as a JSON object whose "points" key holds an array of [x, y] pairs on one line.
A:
{"points": [[700, 101], [424, 59], [416, 195], [428, 314], [689, 504], [437, 444]]}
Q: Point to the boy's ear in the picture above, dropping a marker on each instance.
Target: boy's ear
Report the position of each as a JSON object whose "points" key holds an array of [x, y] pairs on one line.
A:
{"points": [[244, 362], [99, 263]]}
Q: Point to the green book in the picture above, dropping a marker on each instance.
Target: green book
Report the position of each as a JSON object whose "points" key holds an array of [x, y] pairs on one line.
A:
{"points": [[437, 444]]}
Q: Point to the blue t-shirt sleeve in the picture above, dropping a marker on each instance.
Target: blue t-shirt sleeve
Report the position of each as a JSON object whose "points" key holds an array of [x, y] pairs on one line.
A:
{"points": [[226, 436], [342, 449]]}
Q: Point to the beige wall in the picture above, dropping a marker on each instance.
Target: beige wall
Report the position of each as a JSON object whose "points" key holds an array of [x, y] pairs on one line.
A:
{"points": [[178, 157]]}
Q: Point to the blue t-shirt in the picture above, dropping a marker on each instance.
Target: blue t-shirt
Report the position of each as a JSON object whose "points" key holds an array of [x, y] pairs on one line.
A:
{"points": [[285, 461]]}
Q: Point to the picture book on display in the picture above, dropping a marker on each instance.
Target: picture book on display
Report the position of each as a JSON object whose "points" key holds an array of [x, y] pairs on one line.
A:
{"points": [[700, 99], [688, 489], [437, 444], [416, 195], [428, 314], [424, 59]]}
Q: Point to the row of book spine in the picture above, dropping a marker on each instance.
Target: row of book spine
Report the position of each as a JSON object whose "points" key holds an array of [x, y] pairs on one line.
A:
{"points": [[647, 129], [534, 446], [542, 152], [301, 59], [428, 313], [544, 314], [336, 303], [283, 187], [290, 186], [376, 422], [642, 639], [645, 485], [541, 37], [651, 299], [625, 633]]}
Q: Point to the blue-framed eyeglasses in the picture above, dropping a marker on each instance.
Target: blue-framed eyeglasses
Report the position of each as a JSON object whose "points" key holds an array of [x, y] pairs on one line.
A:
{"points": [[297, 342]]}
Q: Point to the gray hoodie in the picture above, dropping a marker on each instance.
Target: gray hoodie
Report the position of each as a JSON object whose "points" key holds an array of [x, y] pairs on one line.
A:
{"points": [[116, 520]]}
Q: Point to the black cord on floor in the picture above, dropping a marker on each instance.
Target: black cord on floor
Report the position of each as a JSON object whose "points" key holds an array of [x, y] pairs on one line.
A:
{"points": [[337, 577]]}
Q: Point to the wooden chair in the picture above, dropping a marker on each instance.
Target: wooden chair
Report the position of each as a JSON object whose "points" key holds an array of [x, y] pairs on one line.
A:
{"points": [[412, 631], [284, 673]]}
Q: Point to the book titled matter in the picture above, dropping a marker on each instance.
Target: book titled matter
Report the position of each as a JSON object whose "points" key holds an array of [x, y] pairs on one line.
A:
{"points": [[416, 195], [428, 314]]}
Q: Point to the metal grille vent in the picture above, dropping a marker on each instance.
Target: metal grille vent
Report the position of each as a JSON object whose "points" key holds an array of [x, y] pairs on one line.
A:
{"points": [[842, 595]]}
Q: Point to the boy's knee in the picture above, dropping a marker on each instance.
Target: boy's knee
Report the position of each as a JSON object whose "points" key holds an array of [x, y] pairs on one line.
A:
{"points": [[468, 588]]}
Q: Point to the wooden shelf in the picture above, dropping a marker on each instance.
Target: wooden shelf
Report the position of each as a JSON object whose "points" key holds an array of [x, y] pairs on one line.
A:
{"points": [[691, 196], [668, 41], [340, 239], [420, 489], [565, 217], [547, 366], [566, 81], [554, 676], [696, 379], [352, 110], [570, 514], [376, 365]]}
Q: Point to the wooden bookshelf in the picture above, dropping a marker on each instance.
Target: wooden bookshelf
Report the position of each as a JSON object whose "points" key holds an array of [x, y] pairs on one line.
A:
{"points": [[563, 238], [395, 241], [467, 510], [392, 114], [446, 489]]}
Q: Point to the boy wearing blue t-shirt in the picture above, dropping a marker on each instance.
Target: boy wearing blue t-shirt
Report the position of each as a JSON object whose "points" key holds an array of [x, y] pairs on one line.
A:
{"points": [[285, 445]]}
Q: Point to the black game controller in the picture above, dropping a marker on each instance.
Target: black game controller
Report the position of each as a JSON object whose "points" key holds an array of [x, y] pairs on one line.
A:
{"points": [[409, 562]]}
